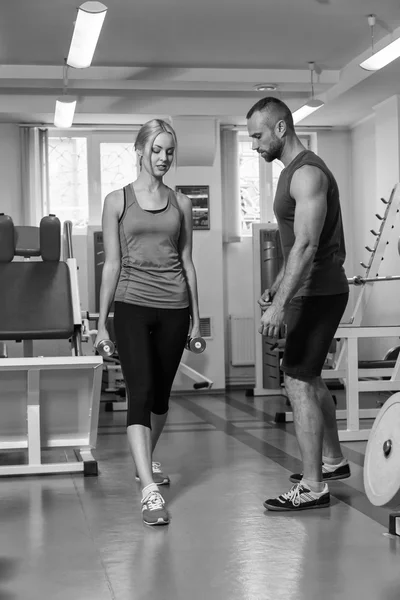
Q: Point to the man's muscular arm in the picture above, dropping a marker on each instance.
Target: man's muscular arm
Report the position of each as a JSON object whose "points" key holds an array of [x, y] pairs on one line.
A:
{"points": [[309, 189]]}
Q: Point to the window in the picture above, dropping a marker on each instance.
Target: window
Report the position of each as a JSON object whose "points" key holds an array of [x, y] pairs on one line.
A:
{"points": [[249, 177], [68, 179], [258, 181], [117, 166], [83, 168]]}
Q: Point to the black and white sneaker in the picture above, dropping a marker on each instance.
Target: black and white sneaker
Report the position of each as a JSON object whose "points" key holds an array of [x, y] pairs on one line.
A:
{"points": [[300, 497], [329, 473]]}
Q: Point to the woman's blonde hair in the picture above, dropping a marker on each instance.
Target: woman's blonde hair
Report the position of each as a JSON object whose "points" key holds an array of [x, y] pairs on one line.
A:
{"points": [[148, 133]]}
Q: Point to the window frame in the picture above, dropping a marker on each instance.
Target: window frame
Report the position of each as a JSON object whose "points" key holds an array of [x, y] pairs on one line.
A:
{"points": [[265, 193]]}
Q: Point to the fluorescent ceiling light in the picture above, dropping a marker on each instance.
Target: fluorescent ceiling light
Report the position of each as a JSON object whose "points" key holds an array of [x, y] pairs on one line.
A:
{"points": [[383, 57], [266, 87], [87, 29], [64, 113], [306, 110]]}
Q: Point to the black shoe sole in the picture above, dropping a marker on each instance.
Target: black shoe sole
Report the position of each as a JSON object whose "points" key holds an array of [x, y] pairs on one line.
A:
{"points": [[281, 509]]}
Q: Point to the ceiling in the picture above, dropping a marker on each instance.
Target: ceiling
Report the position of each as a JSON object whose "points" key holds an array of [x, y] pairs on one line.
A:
{"points": [[185, 57]]}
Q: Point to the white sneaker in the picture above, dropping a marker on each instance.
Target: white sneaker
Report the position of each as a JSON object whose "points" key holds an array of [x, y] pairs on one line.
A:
{"points": [[153, 510]]}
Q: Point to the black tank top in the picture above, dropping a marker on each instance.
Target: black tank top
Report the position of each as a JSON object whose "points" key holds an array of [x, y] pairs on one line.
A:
{"points": [[327, 275]]}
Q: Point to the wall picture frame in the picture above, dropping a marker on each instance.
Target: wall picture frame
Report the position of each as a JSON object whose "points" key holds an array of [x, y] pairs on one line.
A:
{"points": [[200, 197]]}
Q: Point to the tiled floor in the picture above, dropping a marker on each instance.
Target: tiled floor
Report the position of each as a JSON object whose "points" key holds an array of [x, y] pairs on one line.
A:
{"points": [[71, 538]]}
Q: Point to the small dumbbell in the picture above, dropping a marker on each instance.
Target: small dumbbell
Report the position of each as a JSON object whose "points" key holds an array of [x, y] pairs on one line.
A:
{"points": [[196, 345], [105, 348]]}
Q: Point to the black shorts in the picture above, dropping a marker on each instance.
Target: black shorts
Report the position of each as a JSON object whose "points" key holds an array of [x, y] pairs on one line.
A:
{"points": [[311, 324]]}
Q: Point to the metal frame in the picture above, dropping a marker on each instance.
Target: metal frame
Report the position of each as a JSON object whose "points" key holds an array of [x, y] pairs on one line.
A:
{"points": [[34, 440], [361, 380], [200, 381]]}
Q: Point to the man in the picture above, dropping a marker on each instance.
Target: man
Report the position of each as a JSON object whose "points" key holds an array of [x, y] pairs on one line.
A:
{"points": [[309, 296]]}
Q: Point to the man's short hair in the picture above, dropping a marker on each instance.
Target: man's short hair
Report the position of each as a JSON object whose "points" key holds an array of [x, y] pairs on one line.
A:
{"points": [[275, 108]]}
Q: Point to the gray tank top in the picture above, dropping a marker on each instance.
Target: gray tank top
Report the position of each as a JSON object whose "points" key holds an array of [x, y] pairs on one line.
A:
{"points": [[151, 267]]}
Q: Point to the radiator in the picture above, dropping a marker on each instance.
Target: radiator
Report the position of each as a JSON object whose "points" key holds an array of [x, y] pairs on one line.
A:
{"points": [[241, 337]]}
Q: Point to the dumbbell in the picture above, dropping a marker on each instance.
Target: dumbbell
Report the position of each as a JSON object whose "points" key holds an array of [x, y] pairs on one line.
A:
{"points": [[196, 345], [105, 348]]}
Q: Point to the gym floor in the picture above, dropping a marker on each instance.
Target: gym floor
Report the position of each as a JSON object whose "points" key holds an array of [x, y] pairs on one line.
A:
{"points": [[75, 538]]}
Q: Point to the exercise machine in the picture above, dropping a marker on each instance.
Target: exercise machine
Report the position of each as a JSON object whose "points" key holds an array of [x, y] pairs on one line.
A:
{"points": [[49, 406]]}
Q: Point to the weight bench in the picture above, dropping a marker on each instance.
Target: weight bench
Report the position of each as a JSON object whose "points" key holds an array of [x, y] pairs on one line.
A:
{"points": [[45, 402]]}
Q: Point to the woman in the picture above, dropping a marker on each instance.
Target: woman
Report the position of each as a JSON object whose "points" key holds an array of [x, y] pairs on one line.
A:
{"points": [[147, 234]]}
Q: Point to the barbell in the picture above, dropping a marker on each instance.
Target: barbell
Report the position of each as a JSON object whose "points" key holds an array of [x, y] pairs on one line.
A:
{"points": [[359, 280]]}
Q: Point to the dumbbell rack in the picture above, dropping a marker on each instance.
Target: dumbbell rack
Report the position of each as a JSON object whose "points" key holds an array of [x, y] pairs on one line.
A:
{"points": [[382, 238]]}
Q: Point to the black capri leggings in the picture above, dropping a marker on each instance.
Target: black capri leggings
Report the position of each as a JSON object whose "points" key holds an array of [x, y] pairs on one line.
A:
{"points": [[150, 344]]}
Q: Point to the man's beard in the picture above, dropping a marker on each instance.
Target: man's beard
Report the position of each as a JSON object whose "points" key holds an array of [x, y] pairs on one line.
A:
{"points": [[274, 151]]}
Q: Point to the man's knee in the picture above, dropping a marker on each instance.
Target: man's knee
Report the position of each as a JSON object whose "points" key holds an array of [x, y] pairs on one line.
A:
{"points": [[299, 380], [300, 390]]}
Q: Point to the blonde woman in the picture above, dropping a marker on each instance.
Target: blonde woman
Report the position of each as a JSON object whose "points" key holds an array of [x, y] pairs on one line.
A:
{"points": [[148, 270]]}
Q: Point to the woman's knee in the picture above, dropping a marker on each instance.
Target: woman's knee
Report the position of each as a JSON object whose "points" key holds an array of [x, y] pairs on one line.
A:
{"points": [[139, 409], [130, 427], [161, 406]]}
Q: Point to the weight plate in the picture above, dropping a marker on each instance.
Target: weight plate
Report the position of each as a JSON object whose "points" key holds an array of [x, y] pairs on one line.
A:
{"points": [[382, 457]]}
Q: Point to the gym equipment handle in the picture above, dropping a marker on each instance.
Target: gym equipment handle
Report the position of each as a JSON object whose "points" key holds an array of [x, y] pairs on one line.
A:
{"points": [[68, 239], [358, 280]]}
